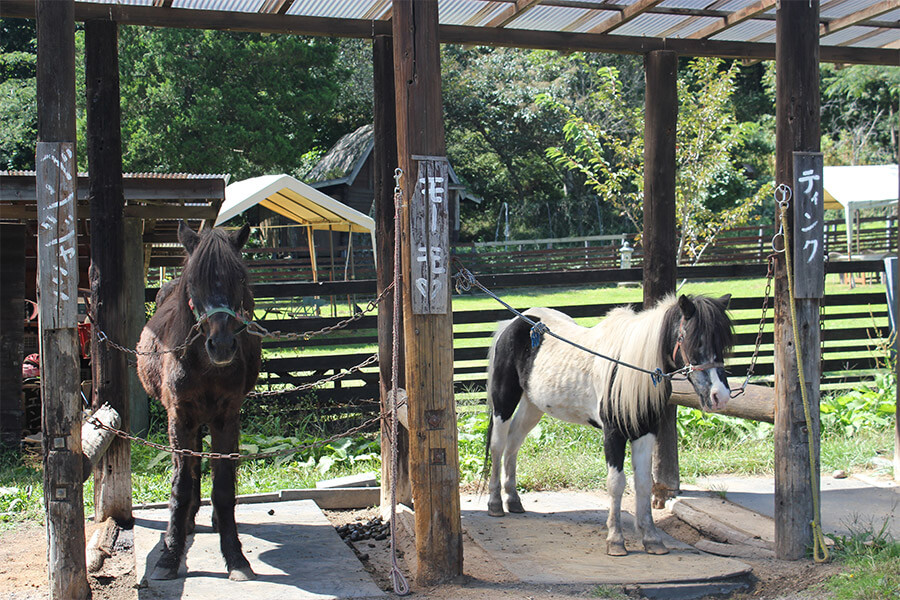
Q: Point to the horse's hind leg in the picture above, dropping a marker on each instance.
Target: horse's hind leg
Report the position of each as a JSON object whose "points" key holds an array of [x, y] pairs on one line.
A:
{"points": [[641, 460], [180, 502], [614, 447], [225, 437], [195, 478], [499, 434], [524, 421]]}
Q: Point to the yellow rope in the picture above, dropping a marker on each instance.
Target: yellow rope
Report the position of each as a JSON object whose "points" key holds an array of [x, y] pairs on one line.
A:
{"points": [[820, 550]]}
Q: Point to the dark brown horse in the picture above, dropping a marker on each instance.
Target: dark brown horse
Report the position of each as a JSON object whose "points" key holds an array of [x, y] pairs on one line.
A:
{"points": [[203, 383]]}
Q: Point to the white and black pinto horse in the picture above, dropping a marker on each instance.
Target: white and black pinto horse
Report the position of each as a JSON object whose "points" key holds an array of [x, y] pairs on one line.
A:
{"points": [[570, 384]]}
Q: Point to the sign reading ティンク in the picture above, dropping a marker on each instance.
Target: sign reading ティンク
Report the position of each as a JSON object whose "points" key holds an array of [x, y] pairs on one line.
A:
{"points": [[809, 226], [429, 233]]}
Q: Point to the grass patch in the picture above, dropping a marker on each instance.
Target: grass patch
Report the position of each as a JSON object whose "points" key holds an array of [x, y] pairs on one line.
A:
{"points": [[872, 560]]}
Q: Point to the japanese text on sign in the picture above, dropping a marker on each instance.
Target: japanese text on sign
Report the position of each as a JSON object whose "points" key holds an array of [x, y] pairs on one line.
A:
{"points": [[429, 224], [809, 230]]}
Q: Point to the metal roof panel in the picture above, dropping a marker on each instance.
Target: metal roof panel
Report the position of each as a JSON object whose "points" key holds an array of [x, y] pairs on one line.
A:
{"points": [[746, 30], [842, 9], [223, 5], [878, 40], [336, 9], [845, 35], [459, 12], [648, 25], [547, 18]]}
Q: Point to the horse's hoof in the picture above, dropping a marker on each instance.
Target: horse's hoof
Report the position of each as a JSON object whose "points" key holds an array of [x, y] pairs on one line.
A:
{"points": [[616, 549], [655, 548], [241, 574], [514, 506], [164, 573], [495, 509]]}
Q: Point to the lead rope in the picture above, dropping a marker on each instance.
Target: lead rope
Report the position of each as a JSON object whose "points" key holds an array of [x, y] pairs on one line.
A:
{"points": [[820, 550], [401, 587]]}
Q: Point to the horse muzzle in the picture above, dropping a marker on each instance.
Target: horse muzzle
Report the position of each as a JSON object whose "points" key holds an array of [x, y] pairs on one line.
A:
{"points": [[221, 349]]}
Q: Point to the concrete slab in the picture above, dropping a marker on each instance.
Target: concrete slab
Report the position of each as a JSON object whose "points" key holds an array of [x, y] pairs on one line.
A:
{"points": [[292, 547], [562, 539], [847, 504]]}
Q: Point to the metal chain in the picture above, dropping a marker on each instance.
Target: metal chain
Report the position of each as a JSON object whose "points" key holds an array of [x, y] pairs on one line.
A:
{"points": [[309, 386], [102, 337], [762, 323], [234, 455], [256, 329]]}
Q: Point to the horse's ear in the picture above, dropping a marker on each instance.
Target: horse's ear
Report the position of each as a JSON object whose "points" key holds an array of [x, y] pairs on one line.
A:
{"points": [[687, 307], [187, 236], [725, 300], [239, 237]]}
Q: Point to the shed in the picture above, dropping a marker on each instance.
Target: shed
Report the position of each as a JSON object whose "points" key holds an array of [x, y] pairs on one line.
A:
{"points": [[346, 173], [851, 188], [299, 202]]}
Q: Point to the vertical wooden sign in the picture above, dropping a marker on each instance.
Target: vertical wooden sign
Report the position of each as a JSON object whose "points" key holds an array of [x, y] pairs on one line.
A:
{"points": [[809, 228], [57, 249], [429, 232]]}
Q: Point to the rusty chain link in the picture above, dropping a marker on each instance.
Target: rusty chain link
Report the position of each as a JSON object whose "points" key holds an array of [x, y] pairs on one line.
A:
{"points": [[102, 337], [762, 323]]}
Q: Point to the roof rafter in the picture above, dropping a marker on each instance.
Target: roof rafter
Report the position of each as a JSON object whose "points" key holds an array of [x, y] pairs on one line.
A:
{"points": [[628, 13], [276, 7], [862, 15], [748, 12], [511, 13], [863, 37], [378, 9], [685, 23], [162, 3]]}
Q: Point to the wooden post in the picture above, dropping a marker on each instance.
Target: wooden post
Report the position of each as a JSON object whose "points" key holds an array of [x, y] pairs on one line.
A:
{"points": [[434, 458], [135, 319], [659, 272], [797, 129], [57, 297], [12, 333], [112, 475], [385, 153]]}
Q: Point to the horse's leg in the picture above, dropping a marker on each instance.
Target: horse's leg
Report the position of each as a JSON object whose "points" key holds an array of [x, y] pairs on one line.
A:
{"points": [[225, 436], [195, 478], [614, 447], [499, 434], [641, 461], [523, 421], [181, 435]]}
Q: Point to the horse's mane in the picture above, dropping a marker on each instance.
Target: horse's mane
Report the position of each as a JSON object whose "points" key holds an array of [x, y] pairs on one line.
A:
{"points": [[641, 339], [215, 267]]}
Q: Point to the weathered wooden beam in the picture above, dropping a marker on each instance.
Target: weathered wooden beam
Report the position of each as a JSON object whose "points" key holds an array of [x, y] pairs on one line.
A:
{"points": [[12, 333], [135, 319], [628, 13], [450, 34], [512, 12], [385, 154], [757, 403], [870, 12], [797, 129], [434, 468], [659, 268], [112, 474], [738, 16], [57, 297]]}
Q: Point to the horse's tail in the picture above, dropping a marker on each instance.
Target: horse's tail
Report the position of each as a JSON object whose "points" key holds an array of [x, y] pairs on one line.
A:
{"points": [[486, 466]]}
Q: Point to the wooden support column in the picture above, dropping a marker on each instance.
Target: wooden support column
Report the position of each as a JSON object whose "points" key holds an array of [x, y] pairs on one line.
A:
{"points": [[112, 475], [12, 333], [385, 152], [797, 128], [56, 183], [659, 272], [135, 319], [434, 458]]}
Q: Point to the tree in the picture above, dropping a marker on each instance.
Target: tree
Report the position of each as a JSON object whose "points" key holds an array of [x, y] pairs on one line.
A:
{"points": [[225, 102], [18, 105], [609, 154]]}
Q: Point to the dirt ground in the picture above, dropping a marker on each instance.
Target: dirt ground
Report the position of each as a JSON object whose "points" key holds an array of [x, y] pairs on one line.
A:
{"points": [[23, 569]]}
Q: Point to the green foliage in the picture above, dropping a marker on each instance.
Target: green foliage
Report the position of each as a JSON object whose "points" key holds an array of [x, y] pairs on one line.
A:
{"points": [[863, 408], [872, 559], [225, 102], [712, 192], [18, 105]]}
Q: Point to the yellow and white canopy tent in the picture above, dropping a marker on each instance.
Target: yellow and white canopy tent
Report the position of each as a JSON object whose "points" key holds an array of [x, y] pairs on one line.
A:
{"points": [[851, 188], [299, 202]]}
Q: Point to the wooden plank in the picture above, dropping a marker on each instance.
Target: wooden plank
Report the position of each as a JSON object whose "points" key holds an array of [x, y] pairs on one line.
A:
{"points": [[869, 12], [429, 231], [797, 129], [448, 34], [135, 318], [109, 369], [12, 333], [659, 269], [809, 233], [734, 18], [628, 13], [57, 298], [434, 467], [385, 155]]}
